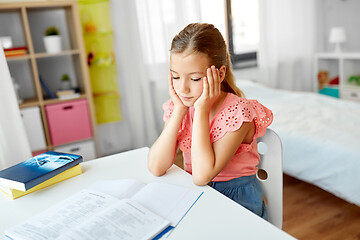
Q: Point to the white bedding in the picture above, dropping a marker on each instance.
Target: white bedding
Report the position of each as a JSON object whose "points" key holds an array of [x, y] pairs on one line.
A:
{"points": [[320, 137]]}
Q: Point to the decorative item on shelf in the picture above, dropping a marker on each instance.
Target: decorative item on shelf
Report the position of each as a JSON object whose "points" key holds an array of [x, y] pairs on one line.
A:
{"points": [[65, 82], [6, 42], [52, 40], [337, 36], [354, 79]]}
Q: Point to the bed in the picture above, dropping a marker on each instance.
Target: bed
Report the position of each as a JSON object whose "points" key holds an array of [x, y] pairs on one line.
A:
{"points": [[320, 137]]}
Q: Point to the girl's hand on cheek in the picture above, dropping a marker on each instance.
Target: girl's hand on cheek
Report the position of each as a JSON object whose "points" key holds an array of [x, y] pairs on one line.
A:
{"points": [[211, 89], [174, 97]]}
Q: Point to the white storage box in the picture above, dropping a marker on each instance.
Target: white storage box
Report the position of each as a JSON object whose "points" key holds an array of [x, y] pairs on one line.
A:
{"points": [[350, 94], [34, 128], [84, 148]]}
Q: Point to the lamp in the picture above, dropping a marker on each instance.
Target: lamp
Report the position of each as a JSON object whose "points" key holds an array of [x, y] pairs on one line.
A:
{"points": [[337, 36]]}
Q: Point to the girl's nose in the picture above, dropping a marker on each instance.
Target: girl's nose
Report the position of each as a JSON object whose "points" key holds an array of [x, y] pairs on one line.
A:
{"points": [[184, 86]]}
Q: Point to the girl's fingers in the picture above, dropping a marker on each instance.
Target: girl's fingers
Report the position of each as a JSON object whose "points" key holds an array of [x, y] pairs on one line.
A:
{"points": [[205, 86], [214, 81], [210, 81], [217, 82]]}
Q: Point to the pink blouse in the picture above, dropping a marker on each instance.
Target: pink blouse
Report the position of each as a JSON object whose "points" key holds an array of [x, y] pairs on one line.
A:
{"points": [[232, 113]]}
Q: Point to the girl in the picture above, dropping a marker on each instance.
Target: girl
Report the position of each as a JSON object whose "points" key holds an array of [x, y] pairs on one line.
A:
{"points": [[209, 119]]}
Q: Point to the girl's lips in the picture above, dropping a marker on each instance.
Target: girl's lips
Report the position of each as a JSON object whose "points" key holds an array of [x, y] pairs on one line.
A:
{"points": [[186, 98]]}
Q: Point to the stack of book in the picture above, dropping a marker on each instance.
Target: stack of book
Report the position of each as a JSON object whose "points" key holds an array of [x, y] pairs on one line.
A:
{"points": [[67, 94], [38, 172], [16, 51]]}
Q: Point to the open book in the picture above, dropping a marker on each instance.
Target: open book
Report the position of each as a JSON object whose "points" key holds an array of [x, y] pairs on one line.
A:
{"points": [[117, 209]]}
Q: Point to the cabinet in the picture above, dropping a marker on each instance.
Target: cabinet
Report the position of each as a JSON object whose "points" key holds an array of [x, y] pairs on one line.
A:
{"points": [[338, 75], [35, 70]]}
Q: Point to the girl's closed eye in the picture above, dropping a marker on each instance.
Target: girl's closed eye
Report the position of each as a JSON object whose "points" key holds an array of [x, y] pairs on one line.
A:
{"points": [[196, 79], [176, 78]]}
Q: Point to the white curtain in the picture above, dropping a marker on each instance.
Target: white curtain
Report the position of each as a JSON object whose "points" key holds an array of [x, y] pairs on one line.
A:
{"points": [[288, 42], [158, 22], [14, 147], [137, 129]]}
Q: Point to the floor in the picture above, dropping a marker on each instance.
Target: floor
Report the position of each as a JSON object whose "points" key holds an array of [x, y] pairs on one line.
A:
{"points": [[311, 213]]}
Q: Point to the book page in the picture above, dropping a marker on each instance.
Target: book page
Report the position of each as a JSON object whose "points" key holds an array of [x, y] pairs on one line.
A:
{"points": [[125, 220], [168, 201], [61, 217], [160, 204], [120, 188]]}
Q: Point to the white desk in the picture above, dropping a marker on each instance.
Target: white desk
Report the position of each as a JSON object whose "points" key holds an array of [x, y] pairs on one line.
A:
{"points": [[212, 217]]}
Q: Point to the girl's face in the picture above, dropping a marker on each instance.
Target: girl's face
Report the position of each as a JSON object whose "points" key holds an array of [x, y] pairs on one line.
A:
{"points": [[188, 71]]}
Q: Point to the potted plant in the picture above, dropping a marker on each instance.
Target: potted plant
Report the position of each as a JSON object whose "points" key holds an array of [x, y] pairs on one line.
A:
{"points": [[65, 82], [52, 40]]}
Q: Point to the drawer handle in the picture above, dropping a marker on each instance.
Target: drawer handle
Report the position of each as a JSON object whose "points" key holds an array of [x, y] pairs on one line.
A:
{"points": [[67, 107], [354, 94], [74, 149]]}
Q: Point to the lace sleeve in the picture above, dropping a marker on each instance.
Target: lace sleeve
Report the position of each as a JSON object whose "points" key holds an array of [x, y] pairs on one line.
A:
{"points": [[243, 110], [168, 108]]}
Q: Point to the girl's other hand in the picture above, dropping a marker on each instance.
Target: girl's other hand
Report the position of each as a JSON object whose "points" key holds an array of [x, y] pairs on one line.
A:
{"points": [[211, 89], [174, 97]]}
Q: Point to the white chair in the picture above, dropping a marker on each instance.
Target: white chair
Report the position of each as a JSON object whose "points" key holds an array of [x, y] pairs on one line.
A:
{"points": [[270, 175]]}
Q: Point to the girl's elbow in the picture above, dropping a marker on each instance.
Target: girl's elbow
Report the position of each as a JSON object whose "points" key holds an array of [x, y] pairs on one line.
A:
{"points": [[200, 180], [156, 171]]}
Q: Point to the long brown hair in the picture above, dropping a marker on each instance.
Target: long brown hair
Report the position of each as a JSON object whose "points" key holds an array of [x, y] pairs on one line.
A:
{"points": [[206, 38]]}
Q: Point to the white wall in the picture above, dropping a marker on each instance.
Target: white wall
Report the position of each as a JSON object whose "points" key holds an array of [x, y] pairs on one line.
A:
{"points": [[343, 13], [331, 13]]}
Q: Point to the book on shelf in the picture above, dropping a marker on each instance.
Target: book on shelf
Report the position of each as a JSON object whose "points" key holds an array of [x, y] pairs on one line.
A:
{"points": [[117, 209], [31, 172], [71, 172], [16, 51], [46, 88], [64, 92], [67, 94]]}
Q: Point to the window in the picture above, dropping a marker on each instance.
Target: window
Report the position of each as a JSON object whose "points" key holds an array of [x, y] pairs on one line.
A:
{"points": [[243, 31]]}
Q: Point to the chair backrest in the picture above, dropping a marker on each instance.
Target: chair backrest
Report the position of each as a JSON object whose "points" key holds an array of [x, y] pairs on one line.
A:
{"points": [[270, 151]]}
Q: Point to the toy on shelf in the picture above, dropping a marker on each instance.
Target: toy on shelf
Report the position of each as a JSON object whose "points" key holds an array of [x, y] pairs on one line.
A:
{"points": [[323, 79], [355, 79], [334, 81]]}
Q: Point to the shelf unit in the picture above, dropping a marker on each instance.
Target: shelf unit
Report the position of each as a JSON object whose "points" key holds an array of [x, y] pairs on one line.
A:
{"points": [[344, 66], [25, 23]]}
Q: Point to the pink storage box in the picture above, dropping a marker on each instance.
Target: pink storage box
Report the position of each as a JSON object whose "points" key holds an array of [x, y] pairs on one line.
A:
{"points": [[68, 121]]}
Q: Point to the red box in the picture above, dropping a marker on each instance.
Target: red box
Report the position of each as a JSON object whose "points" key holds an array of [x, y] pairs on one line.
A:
{"points": [[68, 121]]}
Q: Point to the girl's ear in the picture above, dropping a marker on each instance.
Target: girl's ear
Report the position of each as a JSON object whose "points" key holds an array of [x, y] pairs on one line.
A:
{"points": [[222, 73]]}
